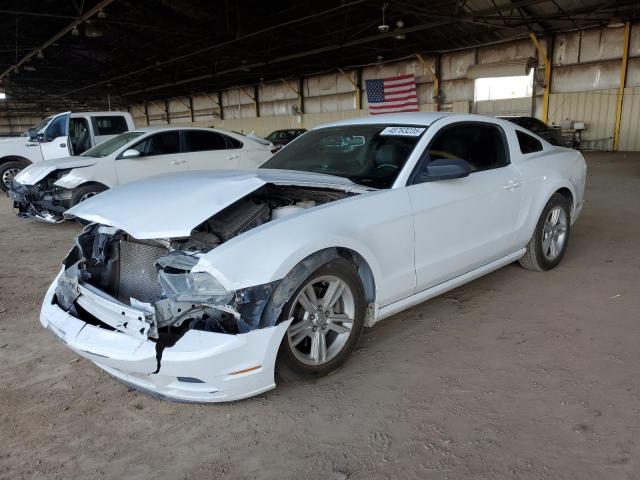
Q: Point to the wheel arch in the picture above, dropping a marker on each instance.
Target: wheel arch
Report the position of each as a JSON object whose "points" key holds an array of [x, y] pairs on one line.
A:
{"points": [[567, 194], [91, 183], [15, 158], [301, 271], [563, 189]]}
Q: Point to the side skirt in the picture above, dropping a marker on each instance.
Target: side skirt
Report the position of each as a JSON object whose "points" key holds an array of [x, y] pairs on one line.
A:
{"points": [[428, 294]]}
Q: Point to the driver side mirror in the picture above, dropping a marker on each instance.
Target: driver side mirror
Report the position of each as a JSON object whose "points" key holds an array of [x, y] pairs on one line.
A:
{"points": [[35, 136], [443, 169], [130, 153]]}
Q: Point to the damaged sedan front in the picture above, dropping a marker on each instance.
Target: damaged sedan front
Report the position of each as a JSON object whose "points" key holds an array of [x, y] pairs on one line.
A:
{"points": [[147, 311]]}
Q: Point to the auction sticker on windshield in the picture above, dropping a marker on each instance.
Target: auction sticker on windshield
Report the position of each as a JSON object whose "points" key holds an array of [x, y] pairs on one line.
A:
{"points": [[403, 131]]}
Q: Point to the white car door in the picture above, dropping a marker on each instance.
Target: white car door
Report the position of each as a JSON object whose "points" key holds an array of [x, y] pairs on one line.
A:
{"points": [[54, 141], [207, 150], [464, 223], [158, 153]]}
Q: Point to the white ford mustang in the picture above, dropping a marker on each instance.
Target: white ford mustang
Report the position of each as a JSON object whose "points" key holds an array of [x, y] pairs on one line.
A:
{"points": [[195, 286]]}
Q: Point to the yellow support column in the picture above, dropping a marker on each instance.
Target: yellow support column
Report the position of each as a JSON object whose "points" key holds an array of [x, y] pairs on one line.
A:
{"points": [[623, 81], [547, 77]]}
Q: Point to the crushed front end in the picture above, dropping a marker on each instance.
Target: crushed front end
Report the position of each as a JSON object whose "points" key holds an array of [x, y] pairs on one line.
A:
{"points": [[148, 311], [135, 309], [43, 201]]}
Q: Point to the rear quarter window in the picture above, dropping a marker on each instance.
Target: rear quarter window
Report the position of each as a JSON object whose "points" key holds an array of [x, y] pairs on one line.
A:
{"points": [[528, 143], [109, 125]]}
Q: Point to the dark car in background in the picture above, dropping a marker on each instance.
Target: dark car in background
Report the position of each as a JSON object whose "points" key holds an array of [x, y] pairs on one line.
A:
{"points": [[281, 137], [550, 133]]}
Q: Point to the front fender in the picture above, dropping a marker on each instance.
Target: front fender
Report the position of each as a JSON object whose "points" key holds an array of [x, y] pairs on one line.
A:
{"points": [[376, 225], [82, 175]]}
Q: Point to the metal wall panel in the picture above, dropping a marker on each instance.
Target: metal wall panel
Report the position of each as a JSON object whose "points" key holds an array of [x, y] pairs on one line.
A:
{"points": [[454, 65], [138, 114], [601, 44], [506, 52], [458, 90], [567, 48], [205, 107], [507, 106], [593, 76], [157, 113], [595, 108], [630, 124], [179, 110]]}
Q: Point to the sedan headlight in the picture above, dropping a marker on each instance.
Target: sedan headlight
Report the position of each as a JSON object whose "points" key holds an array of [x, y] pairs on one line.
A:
{"points": [[200, 287]]}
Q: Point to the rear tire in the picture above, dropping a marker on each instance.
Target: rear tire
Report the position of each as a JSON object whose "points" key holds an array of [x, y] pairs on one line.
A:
{"points": [[551, 237], [8, 171], [320, 339]]}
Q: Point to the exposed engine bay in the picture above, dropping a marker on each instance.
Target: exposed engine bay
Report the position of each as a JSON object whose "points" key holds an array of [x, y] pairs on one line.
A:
{"points": [[147, 288], [44, 200]]}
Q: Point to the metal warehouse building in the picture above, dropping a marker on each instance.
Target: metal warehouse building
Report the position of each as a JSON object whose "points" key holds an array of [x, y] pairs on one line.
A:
{"points": [[218, 261]]}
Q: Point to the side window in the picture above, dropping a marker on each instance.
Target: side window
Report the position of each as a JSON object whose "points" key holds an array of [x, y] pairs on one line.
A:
{"points": [[232, 143], [201, 140], [480, 144], [528, 144], [57, 128], [79, 135], [164, 143], [109, 125]]}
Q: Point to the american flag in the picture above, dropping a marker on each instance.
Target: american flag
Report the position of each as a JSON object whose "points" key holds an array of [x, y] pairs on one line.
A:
{"points": [[393, 94]]}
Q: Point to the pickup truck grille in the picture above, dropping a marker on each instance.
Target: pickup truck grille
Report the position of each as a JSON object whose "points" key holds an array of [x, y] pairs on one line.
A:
{"points": [[138, 274]]}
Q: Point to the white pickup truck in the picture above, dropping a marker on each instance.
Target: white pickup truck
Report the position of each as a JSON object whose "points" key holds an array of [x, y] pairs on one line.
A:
{"points": [[61, 135]]}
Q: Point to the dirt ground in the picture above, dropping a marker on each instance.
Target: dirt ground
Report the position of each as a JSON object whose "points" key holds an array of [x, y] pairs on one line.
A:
{"points": [[516, 375]]}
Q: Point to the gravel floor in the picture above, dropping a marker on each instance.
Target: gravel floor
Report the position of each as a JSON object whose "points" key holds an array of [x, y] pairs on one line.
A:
{"points": [[516, 375]]}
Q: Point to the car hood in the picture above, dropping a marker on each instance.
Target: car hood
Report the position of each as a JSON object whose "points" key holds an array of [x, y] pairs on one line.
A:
{"points": [[171, 206], [36, 172]]}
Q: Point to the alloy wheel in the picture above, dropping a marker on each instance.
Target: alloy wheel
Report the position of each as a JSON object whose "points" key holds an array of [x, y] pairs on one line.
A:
{"points": [[9, 175], [323, 316], [554, 233]]}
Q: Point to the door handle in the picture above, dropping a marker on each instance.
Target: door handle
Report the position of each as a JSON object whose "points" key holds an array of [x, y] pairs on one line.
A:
{"points": [[178, 162], [233, 157], [63, 145], [511, 184]]}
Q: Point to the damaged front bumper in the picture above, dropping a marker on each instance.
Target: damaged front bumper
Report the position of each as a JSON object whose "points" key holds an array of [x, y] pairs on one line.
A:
{"points": [[200, 366], [31, 201]]}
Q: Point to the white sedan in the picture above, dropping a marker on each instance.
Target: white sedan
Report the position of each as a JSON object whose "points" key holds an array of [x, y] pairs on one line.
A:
{"points": [[195, 286], [46, 189]]}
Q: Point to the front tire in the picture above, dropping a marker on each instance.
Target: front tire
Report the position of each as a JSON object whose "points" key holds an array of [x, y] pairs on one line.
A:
{"points": [[8, 172], [84, 192], [549, 242], [328, 316]]}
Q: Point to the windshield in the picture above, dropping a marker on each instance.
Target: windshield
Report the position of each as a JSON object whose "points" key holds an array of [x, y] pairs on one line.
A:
{"points": [[38, 126], [370, 155], [110, 146]]}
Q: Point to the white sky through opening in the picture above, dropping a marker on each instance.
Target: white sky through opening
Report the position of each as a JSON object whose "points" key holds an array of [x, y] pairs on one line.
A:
{"points": [[499, 88]]}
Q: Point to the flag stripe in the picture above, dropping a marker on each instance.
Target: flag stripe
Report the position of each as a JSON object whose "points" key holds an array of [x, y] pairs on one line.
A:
{"points": [[399, 84], [394, 105], [397, 98], [399, 77], [392, 91]]}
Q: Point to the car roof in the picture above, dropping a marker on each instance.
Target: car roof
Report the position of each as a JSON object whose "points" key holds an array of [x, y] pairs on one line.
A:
{"points": [[417, 118]]}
